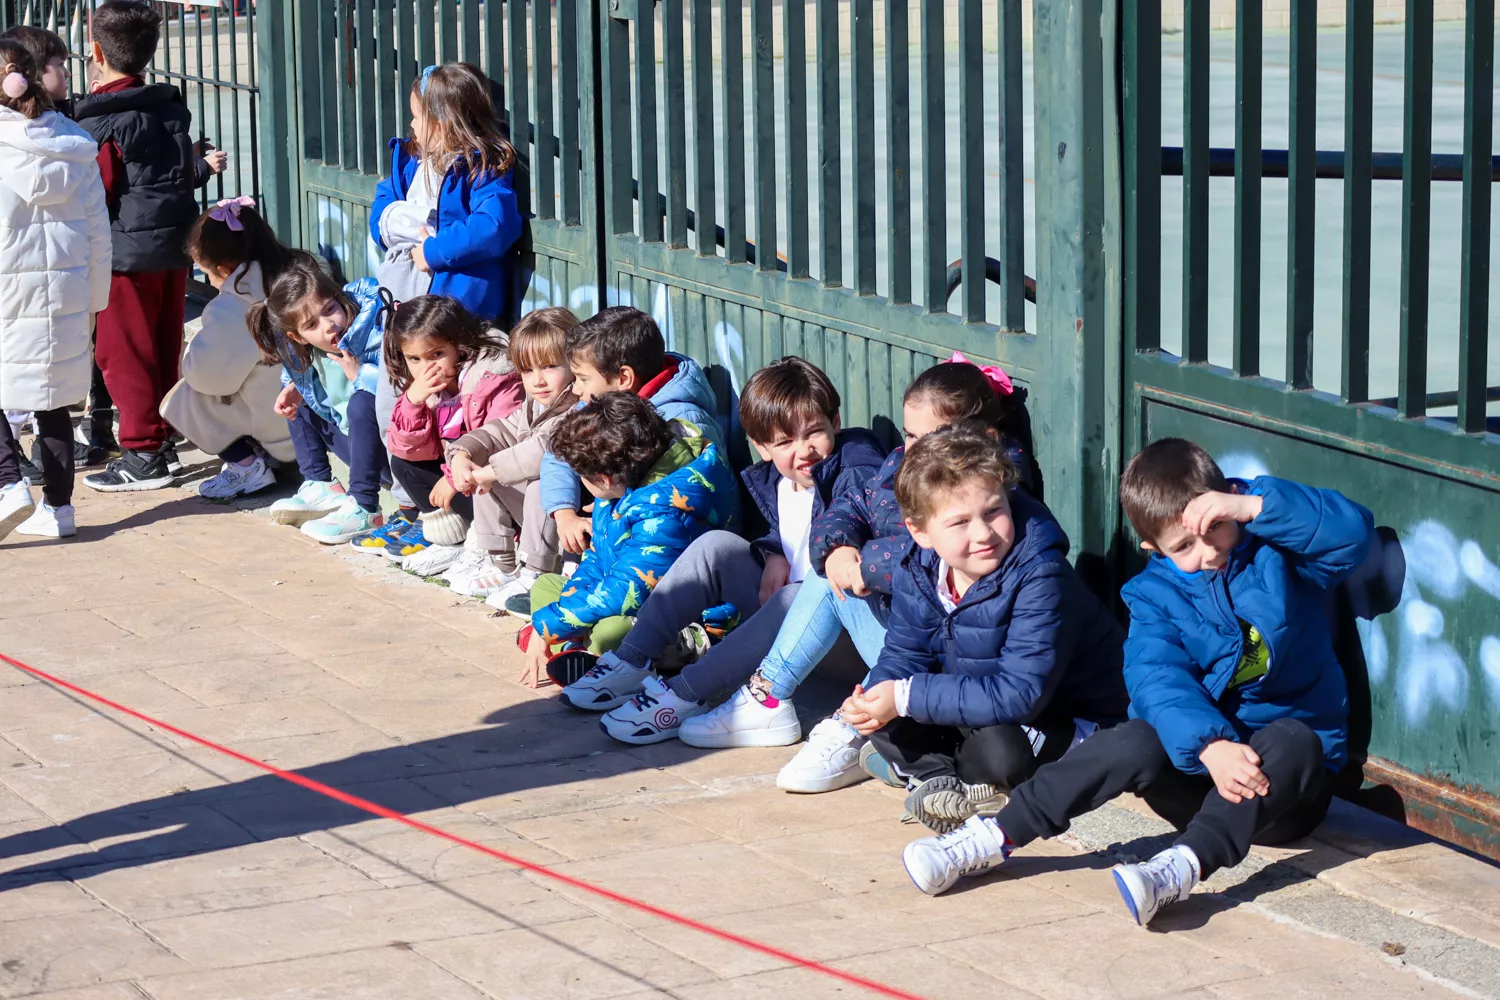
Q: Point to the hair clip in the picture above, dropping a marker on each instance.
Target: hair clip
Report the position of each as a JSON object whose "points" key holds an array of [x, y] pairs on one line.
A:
{"points": [[426, 75], [227, 211], [999, 381]]}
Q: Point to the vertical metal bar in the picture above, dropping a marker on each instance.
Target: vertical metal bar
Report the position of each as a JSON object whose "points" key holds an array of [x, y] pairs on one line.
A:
{"points": [[1247, 184], [732, 41], [447, 12], [1474, 301], [704, 195], [763, 92], [674, 77], [494, 47], [1301, 224], [367, 122], [275, 39], [898, 147], [543, 165], [830, 160], [469, 42], [1195, 210], [794, 42], [645, 124], [520, 113], [971, 158], [567, 87], [390, 108], [406, 62], [426, 36], [934, 160], [1359, 84], [1012, 172], [255, 100], [1416, 210], [616, 138], [863, 99], [328, 93], [1142, 204]]}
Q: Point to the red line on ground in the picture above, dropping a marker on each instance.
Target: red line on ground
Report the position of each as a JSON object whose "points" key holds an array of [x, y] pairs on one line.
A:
{"points": [[510, 859]]}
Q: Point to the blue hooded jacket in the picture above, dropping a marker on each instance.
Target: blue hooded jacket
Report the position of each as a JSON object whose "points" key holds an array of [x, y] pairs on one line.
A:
{"points": [[1186, 640], [364, 339], [857, 455], [479, 223], [1027, 639], [687, 396]]}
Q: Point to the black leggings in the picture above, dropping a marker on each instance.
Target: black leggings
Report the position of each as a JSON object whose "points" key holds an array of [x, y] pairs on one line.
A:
{"points": [[55, 429], [418, 479]]}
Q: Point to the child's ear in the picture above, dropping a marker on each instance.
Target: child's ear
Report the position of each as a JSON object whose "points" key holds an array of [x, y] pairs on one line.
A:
{"points": [[626, 380], [1149, 547], [96, 54], [837, 423], [919, 536], [762, 451]]}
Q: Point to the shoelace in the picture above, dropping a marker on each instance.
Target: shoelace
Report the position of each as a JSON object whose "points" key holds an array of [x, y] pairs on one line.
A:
{"points": [[963, 848], [1164, 877], [826, 740], [643, 700], [727, 708]]}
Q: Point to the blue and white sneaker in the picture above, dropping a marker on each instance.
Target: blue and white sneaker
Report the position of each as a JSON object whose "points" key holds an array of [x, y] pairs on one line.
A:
{"points": [[408, 543], [611, 683], [379, 541], [935, 863], [1158, 882], [312, 500], [348, 520], [652, 716], [878, 767]]}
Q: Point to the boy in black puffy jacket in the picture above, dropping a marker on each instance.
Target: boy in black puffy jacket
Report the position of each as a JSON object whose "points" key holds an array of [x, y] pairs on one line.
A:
{"points": [[997, 656]]}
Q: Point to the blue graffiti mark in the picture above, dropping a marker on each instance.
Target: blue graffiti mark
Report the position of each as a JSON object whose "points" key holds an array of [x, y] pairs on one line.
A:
{"points": [[1242, 465], [1489, 662], [730, 347]]}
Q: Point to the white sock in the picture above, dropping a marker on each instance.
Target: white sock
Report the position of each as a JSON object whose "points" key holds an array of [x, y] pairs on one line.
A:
{"points": [[1192, 858]]}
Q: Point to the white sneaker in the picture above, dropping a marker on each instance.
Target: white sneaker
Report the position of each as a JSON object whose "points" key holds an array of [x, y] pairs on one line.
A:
{"points": [[433, 560], [935, 863], [521, 586], [16, 505], [652, 716], [1161, 881], [742, 721], [236, 480], [312, 500], [481, 578], [49, 522], [344, 522], [828, 760], [609, 685], [467, 560]]}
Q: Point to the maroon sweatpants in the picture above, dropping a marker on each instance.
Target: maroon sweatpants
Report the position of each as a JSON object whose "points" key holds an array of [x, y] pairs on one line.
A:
{"points": [[138, 345]]}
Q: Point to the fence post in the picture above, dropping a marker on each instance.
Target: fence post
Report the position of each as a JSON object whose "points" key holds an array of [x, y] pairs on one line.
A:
{"points": [[281, 145], [1079, 456]]}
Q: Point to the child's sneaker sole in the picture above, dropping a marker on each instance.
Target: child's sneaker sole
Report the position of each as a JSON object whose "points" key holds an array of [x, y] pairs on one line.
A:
{"points": [[297, 518], [131, 485], [17, 518], [567, 669]]}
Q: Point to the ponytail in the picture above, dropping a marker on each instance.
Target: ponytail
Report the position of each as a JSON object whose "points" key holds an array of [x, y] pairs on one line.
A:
{"points": [[20, 80]]}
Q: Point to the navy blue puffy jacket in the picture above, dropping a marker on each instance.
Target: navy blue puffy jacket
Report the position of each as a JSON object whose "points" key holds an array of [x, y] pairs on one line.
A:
{"points": [[857, 455]]}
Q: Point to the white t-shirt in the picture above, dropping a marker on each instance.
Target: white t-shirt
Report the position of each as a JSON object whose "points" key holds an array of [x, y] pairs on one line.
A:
{"points": [[794, 511], [423, 193]]}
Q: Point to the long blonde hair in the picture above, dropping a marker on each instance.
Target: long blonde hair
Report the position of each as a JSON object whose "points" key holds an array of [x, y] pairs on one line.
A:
{"points": [[461, 121]]}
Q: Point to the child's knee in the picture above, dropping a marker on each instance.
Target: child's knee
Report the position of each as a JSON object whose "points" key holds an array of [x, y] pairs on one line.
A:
{"points": [[1292, 744]]}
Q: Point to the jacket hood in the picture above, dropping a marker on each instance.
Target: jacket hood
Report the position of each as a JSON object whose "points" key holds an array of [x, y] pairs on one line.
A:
{"points": [[689, 385], [1038, 536], [689, 478], [245, 283], [45, 160]]}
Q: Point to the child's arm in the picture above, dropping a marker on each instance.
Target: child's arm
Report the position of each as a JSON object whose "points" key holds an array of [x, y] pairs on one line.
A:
{"points": [[385, 197], [492, 228], [413, 434], [561, 489], [1327, 532], [911, 639]]}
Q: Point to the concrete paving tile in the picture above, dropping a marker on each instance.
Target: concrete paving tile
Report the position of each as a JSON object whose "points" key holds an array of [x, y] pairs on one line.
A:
{"points": [[25, 637], [580, 960], [372, 974], [263, 720], [281, 809], [107, 991], [94, 737], [1243, 933], [85, 661], [435, 707], [705, 766], [27, 898], [383, 666], [240, 681], [338, 638], [36, 846], [1457, 879], [68, 791], [856, 859], [47, 953], [1120, 960], [125, 835], [766, 812], [526, 791], [598, 833], [15, 810], [1334, 983], [357, 755], [530, 739], [254, 874], [195, 619]]}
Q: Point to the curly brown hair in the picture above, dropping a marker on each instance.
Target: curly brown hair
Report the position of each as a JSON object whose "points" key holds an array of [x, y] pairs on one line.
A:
{"points": [[618, 436], [461, 121], [946, 460], [435, 316]]}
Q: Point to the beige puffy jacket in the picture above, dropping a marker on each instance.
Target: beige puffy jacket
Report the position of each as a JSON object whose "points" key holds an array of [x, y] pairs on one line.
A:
{"points": [[513, 445]]}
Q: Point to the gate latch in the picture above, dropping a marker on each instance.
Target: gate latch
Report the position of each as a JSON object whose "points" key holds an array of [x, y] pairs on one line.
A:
{"points": [[623, 10]]}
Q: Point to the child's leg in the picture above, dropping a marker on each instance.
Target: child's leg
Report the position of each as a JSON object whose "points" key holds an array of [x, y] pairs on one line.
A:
{"points": [[493, 530], [55, 429], [865, 623], [385, 406], [240, 450], [312, 437], [730, 663], [717, 568], [367, 458], [608, 633], [418, 479], [126, 351], [10, 455], [170, 313], [539, 548], [918, 752], [1005, 756], [809, 631]]}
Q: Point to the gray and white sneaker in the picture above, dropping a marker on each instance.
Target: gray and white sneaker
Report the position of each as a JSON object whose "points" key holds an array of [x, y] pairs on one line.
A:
{"points": [[1160, 881], [653, 715], [944, 803], [935, 863], [611, 683], [237, 480]]}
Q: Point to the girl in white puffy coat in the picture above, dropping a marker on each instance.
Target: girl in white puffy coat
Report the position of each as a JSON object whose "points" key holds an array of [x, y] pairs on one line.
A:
{"points": [[55, 256]]}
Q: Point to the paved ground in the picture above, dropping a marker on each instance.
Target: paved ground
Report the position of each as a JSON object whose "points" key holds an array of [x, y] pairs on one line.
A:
{"points": [[135, 865]]}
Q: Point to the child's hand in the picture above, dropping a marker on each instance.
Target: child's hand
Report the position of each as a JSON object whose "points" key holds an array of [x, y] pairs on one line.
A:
{"points": [[1207, 509], [461, 467], [442, 494], [349, 363], [853, 711], [878, 705], [419, 253], [843, 573], [484, 479], [288, 402], [535, 674], [572, 530], [1235, 769], [777, 574], [217, 160], [426, 382]]}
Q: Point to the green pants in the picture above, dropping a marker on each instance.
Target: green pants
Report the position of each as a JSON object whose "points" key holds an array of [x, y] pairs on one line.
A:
{"points": [[606, 634]]}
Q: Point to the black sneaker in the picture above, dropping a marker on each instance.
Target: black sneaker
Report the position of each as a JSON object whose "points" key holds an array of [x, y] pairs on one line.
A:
{"points": [[135, 471], [30, 470], [168, 452], [88, 456], [567, 669]]}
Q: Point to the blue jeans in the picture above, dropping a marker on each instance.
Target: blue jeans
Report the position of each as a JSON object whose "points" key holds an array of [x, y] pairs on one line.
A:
{"points": [[811, 627], [361, 449]]}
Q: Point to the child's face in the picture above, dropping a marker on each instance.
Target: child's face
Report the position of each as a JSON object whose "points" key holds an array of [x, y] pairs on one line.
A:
{"points": [[56, 80], [418, 120], [918, 420], [325, 325], [1192, 552], [432, 355], [603, 489], [971, 528], [545, 383], [796, 452], [589, 383]]}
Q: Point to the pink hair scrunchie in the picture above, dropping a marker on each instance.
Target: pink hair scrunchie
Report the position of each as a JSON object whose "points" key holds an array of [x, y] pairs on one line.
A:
{"points": [[999, 381], [15, 85]]}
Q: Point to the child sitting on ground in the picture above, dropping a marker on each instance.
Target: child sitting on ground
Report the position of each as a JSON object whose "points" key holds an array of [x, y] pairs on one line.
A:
{"points": [[500, 464], [997, 654], [1238, 703], [620, 349], [657, 485], [226, 401], [328, 339], [790, 411], [452, 377]]}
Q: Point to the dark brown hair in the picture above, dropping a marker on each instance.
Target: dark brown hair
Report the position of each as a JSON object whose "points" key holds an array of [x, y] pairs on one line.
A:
{"points": [[435, 316], [617, 338], [127, 32], [782, 396], [540, 338], [959, 391], [618, 435], [461, 121], [1162, 480], [944, 461], [297, 293], [213, 242], [17, 59], [43, 45]]}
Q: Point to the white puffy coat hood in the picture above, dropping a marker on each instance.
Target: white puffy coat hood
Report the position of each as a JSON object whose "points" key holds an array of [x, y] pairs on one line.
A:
{"points": [[55, 257]]}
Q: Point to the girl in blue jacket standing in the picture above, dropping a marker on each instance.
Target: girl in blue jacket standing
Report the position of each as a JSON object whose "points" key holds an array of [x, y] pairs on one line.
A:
{"points": [[448, 204]]}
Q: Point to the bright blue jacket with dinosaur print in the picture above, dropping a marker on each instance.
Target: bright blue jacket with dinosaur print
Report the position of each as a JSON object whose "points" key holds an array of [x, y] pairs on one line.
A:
{"points": [[689, 491]]}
